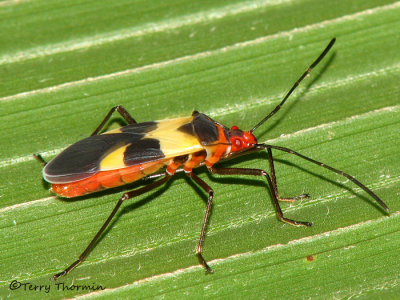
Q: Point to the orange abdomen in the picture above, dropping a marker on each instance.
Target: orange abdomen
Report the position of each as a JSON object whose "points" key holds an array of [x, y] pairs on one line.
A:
{"points": [[106, 179]]}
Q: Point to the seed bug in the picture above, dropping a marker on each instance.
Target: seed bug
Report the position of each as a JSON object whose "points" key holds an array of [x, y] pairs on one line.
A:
{"points": [[140, 150]]}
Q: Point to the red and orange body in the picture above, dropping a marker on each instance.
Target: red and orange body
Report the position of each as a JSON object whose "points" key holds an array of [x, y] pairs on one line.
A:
{"points": [[138, 150], [132, 152]]}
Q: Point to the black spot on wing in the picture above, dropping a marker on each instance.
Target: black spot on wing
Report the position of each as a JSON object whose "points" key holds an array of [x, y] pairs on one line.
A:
{"points": [[81, 160], [187, 128], [205, 128], [142, 151]]}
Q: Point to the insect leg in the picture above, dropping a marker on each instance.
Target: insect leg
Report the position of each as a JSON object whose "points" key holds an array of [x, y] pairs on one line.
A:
{"points": [[259, 172], [40, 159], [275, 185], [349, 177], [122, 111], [199, 248], [124, 197]]}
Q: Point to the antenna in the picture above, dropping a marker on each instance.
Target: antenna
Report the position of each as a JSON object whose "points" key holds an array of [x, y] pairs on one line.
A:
{"points": [[312, 66]]}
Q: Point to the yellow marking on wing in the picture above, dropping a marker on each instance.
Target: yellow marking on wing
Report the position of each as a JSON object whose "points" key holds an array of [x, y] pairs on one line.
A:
{"points": [[114, 160], [174, 142]]}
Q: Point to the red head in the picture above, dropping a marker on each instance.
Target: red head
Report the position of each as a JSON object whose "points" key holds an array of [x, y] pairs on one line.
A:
{"points": [[241, 140]]}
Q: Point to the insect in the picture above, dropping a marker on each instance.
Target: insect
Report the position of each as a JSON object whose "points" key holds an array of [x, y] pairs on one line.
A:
{"points": [[158, 150]]}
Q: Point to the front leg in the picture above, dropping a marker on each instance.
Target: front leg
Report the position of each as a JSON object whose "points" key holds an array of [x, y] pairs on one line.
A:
{"points": [[275, 185], [259, 172]]}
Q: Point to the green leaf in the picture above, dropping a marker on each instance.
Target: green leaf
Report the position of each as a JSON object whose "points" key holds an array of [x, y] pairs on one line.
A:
{"points": [[64, 64]]}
